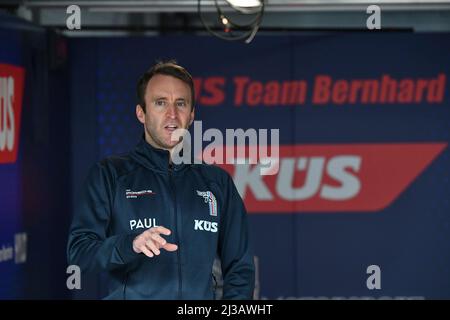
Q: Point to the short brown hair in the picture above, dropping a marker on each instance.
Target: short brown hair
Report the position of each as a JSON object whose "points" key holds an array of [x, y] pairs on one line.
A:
{"points": [[168, 68]]}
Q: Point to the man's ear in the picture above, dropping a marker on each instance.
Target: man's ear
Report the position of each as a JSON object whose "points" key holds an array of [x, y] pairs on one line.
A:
{"points": [[140, 114]]}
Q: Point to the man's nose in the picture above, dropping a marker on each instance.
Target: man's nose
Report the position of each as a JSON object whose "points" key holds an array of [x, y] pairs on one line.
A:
{"points": [[172, 111]]}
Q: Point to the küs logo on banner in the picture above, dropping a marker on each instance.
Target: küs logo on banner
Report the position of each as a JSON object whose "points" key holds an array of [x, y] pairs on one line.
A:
{"points": [[11, 93]]}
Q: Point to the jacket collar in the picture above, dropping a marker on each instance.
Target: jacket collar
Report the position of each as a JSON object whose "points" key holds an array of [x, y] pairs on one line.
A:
{"points": [[154, 158]]}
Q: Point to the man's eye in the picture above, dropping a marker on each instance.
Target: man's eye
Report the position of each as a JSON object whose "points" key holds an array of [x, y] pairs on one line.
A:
{"points": [[181, 104], [160, 103]]}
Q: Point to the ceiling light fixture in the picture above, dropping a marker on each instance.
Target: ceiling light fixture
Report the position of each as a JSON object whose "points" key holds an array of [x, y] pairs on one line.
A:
{"points": [[231, 30]]}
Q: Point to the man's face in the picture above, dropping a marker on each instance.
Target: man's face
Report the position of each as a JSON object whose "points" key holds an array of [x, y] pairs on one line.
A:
{"points": [[168, 107]]}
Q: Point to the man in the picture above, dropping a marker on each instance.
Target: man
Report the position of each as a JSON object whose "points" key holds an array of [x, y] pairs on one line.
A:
{"points": [[156, 226]]}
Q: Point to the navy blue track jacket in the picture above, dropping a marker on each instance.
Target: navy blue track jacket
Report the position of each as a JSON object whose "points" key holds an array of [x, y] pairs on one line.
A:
{"points": [[125, 195]]}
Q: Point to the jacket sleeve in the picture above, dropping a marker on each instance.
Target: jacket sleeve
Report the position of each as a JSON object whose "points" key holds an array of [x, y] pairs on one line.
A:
{"points": [[89, 247], [234, 247]]}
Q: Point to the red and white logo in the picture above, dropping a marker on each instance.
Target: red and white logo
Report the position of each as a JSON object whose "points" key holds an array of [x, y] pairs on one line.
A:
{"points": [[11, 93], [130, 194], [333, 178]]}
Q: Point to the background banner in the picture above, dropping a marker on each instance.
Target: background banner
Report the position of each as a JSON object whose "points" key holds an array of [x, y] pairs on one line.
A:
{"points": [[364, 126]]}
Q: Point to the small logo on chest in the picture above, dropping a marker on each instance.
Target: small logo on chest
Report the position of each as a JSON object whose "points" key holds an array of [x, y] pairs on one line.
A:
{"points": [[129, 194], [210, 199]]}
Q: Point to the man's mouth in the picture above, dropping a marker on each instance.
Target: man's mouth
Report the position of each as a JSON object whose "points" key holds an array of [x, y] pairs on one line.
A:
{"points": [[171, 127]]}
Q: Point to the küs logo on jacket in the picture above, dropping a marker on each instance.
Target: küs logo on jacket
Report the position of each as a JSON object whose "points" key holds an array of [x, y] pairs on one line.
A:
{"points": [[11, 93]]}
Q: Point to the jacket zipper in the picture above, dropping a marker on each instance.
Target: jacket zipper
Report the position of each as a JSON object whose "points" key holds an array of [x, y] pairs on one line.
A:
{"points": [[180, 282]]}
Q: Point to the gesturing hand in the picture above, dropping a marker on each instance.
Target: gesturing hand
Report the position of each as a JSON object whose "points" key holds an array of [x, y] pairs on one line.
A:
{"points": [[149, 242]]}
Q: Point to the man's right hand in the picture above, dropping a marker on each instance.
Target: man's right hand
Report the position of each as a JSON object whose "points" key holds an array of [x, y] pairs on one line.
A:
{"points": [[149, 242]]}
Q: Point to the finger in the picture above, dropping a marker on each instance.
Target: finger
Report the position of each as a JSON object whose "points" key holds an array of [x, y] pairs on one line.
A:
{"points": [[151, 245], [170, 247], [162, 230], [160, 240], [148, 234], [147, 252], [138, 243]]}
